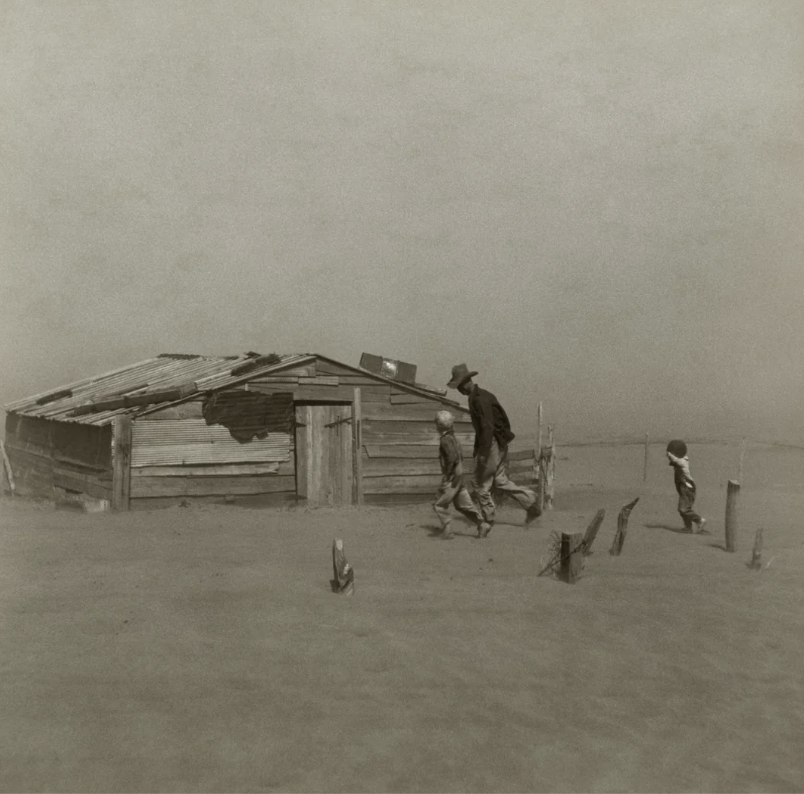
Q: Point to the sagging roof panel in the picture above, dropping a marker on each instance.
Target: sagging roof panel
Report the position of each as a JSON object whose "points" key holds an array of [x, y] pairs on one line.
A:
{"points": [[160, 374]]}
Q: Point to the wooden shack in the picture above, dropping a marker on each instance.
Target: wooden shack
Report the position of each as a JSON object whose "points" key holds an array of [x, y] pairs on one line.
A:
{"points": [[275, 430]]}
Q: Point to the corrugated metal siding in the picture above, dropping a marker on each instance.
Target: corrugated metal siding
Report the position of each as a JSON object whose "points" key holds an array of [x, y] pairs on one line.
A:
{"points": [[175, 442]]}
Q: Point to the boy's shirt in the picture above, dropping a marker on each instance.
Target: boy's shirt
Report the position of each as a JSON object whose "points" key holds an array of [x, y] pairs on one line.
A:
{"points": [[681, 472], [450, 456]]}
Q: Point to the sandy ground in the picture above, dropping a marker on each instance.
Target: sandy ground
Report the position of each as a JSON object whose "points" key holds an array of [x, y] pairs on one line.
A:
{"points": [[202, 649]]}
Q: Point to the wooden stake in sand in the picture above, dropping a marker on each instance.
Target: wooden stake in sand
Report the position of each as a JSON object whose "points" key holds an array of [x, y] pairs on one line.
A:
{"points": [[591, 532], [344, 581], [561, 553], [756, 554], [622, 528], [7, 469], [732, 493], [571, 556]]}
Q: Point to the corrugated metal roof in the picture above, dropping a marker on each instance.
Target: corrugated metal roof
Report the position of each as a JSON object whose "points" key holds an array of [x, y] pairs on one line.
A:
{"points": [[162, 373]]}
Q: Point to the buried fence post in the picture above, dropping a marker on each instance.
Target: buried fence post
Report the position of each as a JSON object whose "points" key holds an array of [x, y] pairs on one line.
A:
{"points": [[756, 554], [571, 556], [591, 532], [622, 528], [569, 549], [344, 575], [733, 492]]}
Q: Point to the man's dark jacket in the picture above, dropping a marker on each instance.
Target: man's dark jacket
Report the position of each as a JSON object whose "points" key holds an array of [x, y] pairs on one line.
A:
{"points": [[489, 420]]}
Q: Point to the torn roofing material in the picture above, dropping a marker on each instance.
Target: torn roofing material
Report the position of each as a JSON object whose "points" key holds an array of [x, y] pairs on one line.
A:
{"points": [[126, 390]]}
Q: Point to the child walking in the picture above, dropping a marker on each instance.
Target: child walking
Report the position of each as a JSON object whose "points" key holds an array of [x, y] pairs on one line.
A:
{"points": [[685, 485], [452, 490]]}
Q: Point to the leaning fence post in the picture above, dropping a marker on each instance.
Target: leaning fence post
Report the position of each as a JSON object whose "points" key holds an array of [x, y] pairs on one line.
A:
{"points": [[622, 528], [591, 532], [732, 494]]}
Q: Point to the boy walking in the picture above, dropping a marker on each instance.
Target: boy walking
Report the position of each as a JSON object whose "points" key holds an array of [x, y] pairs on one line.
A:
{"points": [[685, 485], [452, 490]]}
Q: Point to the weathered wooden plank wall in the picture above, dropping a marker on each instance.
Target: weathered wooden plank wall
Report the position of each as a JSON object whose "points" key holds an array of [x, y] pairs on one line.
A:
{"points": [[176, 456], [45, 454]]}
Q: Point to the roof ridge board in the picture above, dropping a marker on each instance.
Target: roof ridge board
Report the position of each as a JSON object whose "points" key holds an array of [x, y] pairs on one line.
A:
{"points": [[414, 389]]}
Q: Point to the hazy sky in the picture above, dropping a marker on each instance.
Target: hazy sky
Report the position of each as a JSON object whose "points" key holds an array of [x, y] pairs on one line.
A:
{"points": [[595, 203]]}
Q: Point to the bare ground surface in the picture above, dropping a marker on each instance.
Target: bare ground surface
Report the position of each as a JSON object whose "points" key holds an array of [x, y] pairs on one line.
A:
{"points": [[202, 650]]}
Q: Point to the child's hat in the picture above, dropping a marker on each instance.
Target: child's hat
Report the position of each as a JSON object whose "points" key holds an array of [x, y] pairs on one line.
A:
{"points": [[677, 447], [444, 419]]}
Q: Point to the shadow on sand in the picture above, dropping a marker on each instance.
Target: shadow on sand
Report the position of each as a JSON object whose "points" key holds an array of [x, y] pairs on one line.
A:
{"points": [[677, 530], [434, 531]]}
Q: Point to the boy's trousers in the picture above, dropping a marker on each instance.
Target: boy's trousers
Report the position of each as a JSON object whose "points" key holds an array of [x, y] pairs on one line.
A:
{"points": [[453, 492], [686, 499]]}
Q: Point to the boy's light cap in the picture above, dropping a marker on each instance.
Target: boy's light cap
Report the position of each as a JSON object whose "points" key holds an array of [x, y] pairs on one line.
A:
{"points": [[444, 419]]}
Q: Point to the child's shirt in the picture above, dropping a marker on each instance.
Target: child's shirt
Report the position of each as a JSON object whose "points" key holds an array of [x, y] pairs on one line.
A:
{"points": [[450, 455], [681, 472]]}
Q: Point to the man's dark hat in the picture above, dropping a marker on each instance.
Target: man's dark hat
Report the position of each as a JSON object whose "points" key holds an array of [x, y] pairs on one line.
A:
{"points": [[460, 374]]}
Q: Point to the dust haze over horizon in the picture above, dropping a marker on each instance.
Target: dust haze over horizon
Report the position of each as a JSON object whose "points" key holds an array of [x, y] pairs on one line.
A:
{"points": [[596, 205]]}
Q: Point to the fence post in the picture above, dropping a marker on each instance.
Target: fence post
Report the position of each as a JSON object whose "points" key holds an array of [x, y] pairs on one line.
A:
{"points": [[732, 494], [571, 556]]}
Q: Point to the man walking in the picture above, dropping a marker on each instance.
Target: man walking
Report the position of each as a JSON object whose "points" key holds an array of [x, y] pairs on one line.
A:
{"points": [[492, 436]]}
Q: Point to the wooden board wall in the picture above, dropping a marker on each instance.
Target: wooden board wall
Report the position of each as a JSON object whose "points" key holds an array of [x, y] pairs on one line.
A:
{"points": [[400, 442], [45, 454], [177, 457]]}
